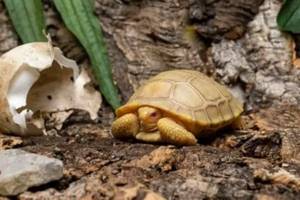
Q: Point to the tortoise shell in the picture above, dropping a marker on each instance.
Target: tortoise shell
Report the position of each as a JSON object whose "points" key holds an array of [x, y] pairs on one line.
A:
{"points": [[189, 97]]}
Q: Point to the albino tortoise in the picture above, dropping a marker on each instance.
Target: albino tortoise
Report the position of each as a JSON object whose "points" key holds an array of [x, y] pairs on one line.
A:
{"points": [[176, 107]]}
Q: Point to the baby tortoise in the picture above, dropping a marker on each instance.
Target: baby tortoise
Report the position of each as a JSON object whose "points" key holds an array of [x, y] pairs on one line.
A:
{"points": [[176, 107]]}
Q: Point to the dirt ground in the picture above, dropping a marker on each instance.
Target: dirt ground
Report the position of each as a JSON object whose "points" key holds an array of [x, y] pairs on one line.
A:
{"points": [[260, 162]]}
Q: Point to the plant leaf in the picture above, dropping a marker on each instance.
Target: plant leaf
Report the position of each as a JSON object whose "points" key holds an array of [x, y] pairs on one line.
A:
{"points": [[28, 19], [288, 18], [80, 20]]}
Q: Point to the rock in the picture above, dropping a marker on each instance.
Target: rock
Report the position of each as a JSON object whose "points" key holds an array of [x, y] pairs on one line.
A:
{"points": [[133, 192], [282, 177], [199, 184], [21, 170], [162, 158], [284, 120], [91, 187], [263, 145]]}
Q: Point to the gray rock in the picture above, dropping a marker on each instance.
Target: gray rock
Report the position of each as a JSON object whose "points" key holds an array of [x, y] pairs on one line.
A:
{"points": [[20, 170]]}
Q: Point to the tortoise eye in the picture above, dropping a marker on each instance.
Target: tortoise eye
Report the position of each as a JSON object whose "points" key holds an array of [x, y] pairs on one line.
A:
{"points": [[154, 114]]}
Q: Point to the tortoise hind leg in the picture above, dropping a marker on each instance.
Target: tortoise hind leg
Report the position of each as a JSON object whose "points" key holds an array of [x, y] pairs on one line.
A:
{"points": [[126, 126], [238, 124], [173, 133]]}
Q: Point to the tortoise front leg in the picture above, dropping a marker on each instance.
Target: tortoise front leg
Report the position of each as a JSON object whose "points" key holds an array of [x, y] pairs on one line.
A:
{"points": [[126, 126], [173, 133]]}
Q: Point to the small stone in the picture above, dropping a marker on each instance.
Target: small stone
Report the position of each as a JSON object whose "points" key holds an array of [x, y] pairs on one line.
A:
{"points": [[104, 178], [284, 164], [115, 171], [121, 181], [21, 170]]}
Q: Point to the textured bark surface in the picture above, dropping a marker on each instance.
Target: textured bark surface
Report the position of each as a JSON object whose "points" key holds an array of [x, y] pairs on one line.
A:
{"points": [[261, 61], [154, 36], [217, 19], [8, 38], [150, 37]]}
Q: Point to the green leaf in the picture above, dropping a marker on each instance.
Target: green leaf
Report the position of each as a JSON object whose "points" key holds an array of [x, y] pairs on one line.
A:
{"points": [[80, 20], [28, 19], [288, 18]]}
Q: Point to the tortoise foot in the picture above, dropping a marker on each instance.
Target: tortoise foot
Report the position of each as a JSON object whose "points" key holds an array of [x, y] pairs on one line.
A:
{"points": [[173, 133], [126, 126]]}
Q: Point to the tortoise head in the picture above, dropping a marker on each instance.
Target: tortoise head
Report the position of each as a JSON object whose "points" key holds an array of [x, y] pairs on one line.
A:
{"points": [[148, 117]]}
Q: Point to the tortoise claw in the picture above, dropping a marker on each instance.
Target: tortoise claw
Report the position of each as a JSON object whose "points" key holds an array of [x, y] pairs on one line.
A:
{"points": [[149, 137]]}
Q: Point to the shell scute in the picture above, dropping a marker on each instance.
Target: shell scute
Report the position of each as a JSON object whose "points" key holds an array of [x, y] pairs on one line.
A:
{"points": [[177, 76], [225, 111], [186, 95], [207, 91], [201, 115], [214, 114], [157, 89]]}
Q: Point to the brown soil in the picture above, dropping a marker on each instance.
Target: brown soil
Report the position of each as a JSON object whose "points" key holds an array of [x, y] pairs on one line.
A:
{"points": [[260, 162]]}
